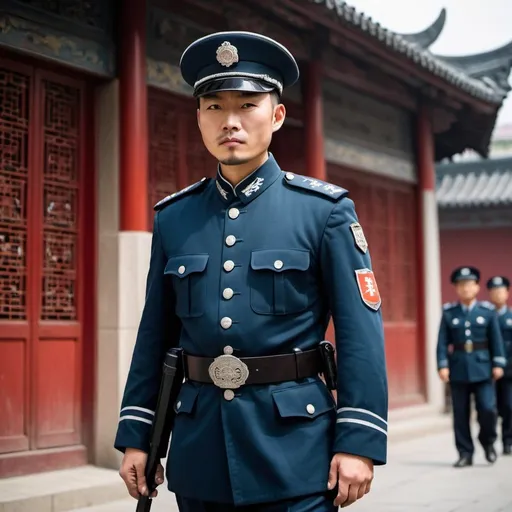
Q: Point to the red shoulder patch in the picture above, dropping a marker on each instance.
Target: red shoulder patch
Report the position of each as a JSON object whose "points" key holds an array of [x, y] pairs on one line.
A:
{"points": [[368, 288]]}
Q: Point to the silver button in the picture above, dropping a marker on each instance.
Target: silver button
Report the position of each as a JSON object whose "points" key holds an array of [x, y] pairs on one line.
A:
{"points": [[233, 213], [467, 323], [181, 270], [230, 240], [310, 408], [229, 265], [468, 332], [228, 350], [226, 322], [228, 293], [229, 394], [178, 405], [278, 264], [290, 176]]}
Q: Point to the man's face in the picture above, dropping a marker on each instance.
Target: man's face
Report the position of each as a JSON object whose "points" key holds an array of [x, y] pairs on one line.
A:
{"points": [[499, 295], [237, 126], [467, 289]]}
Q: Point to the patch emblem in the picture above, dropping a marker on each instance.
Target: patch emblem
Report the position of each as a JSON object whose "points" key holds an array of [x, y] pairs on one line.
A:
{"points": [[368, 288], [509, 321], [359, 238]]}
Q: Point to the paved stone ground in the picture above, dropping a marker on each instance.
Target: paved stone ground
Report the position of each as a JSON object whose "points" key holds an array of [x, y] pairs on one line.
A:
{"points": [[418, 478]]}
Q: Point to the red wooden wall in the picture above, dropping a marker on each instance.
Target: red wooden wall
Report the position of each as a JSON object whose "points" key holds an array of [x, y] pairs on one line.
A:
{"points": [[489, 249], [387, 211], [42, 229]]}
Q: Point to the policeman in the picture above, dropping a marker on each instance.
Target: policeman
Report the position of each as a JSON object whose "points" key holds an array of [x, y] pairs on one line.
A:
{"points": [[470, 355], [499, 287], [246, 270]]}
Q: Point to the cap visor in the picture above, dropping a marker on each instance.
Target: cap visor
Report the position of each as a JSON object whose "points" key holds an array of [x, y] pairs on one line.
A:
{"points": [[233, 84]]}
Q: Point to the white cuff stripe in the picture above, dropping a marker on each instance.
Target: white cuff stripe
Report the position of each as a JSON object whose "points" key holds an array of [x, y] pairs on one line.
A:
{"points": [[362, 422], [135, 408], [499, 360], [443, 362], [136, 418], [362, 411]]}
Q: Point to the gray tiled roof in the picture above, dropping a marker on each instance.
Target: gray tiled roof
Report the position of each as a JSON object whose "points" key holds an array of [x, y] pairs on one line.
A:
{"points": [[475, 183], [488, 91]]}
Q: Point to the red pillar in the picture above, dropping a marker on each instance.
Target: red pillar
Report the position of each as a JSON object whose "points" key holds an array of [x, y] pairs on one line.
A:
{"points": [[133, 117], [313, 119], [425, 195]]}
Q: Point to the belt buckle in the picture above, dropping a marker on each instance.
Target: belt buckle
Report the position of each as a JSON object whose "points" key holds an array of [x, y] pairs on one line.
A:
{"points": [[468, 347], [227, 371]]}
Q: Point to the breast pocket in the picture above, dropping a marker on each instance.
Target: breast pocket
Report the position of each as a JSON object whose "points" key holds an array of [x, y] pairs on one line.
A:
{"points": [[189, 282], [280, 282]]}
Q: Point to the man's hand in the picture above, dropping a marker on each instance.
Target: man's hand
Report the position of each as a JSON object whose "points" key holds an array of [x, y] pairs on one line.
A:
{"points": [[353, 475], [444, 374], [132, 472], [497, 373]]}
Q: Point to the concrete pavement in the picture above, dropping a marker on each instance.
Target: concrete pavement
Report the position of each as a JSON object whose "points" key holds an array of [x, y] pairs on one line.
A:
{"points": [[418, 478]]}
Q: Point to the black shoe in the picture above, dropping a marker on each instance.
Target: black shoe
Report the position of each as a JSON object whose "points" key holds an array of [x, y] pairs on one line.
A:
{"points": [[490, 454], [507, 449], [464, 462]]}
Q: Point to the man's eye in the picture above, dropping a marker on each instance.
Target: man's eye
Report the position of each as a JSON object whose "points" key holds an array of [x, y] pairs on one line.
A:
{"points": [[213, 107], [248, 105]]}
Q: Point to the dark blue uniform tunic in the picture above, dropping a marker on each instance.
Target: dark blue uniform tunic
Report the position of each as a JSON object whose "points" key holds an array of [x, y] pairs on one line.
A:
{"points": [[260, 268], [504, 385]]}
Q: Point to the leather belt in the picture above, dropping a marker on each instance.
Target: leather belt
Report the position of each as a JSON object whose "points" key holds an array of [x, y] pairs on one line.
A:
{"points": [[230, 372], [470, 346]]}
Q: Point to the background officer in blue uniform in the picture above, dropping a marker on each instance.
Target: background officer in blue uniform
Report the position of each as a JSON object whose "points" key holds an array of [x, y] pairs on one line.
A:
{"points": [[470, 355], [499, 287], [246, 270]]}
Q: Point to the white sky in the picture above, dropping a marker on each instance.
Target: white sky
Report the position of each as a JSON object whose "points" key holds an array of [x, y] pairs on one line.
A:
{"points": [[471, 27]]}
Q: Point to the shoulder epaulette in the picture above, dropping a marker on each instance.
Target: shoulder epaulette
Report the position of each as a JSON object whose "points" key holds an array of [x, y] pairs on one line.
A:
{"points": [[488, 305], [314, 185], [449, 305], [181, 193]]}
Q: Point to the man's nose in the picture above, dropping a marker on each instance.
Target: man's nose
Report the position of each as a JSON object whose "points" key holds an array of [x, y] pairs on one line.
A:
{"points": [[231, 122]]}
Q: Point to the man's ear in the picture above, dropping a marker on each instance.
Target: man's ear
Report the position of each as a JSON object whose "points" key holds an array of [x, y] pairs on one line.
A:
{"points": [[278, 117]]}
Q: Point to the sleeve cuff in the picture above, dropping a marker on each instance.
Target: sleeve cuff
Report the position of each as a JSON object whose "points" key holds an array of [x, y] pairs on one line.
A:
{"points": [[363, 433], [499, 361], [134, 429], [443, 363]]}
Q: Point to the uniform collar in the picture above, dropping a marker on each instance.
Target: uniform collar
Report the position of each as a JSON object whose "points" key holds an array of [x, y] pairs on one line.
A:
{"points": [[467, 309], [502, 310], [251, 186]]}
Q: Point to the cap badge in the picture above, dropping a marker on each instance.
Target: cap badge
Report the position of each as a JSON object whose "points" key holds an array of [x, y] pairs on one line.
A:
{"points": [[465, 272], [497, 281], [227, 54]]}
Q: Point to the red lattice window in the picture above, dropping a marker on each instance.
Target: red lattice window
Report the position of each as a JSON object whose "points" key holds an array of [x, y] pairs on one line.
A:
{"points": [[386, 210], [60, 201], [14, 124], [177, 156]]}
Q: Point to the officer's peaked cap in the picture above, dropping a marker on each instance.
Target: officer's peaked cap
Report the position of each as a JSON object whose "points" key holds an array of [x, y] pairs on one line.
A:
{"points": [[465, 273], [498, 281], [238, 61]]}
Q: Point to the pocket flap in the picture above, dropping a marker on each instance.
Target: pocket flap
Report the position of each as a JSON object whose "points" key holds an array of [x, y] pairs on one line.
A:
{"points": [[304, 400], [186, 399], [280, 260], [182, 266], [483, 357]]}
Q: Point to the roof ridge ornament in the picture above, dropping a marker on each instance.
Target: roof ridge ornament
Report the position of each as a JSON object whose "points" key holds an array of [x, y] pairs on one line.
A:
{"points": [[428, 36]]}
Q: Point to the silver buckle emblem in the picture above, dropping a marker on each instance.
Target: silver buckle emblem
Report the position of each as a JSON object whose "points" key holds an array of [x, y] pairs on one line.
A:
{"points": [[227, 371]]}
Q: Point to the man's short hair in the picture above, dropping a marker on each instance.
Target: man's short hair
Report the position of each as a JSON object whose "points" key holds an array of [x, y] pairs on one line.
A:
{"points": [[274, 97]]}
